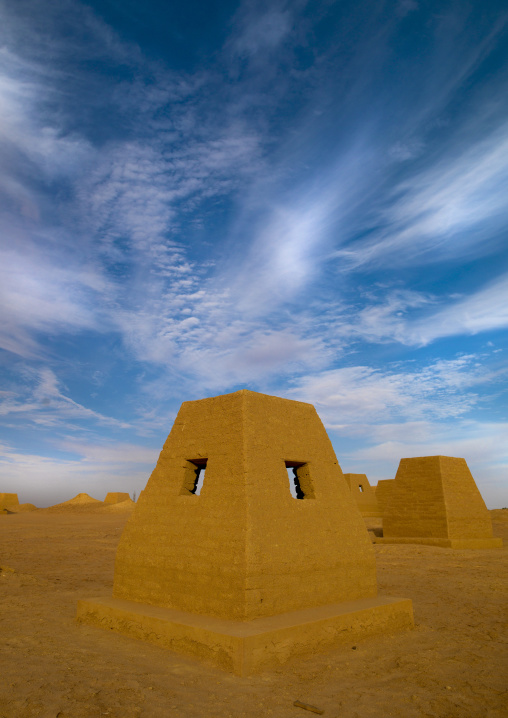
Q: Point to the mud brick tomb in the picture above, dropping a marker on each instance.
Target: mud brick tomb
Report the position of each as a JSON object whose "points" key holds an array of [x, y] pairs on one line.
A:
{"points": [[434, 500], [8, 500], [363, 494], [115, 497], [237, 571]]}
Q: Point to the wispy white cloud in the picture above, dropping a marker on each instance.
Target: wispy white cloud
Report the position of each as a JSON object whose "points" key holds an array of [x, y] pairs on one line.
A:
{"points": [[286, 235], [261, 31], [38, 294], [33, 152], [281, 260], [457, 194], [436, 213], [486, 309], [359, 394], [407, 6], [47, 405], [203, 339], [387, 319], [417, 319], [47, 31], [115, 456], [139, 191], [251, 355]]}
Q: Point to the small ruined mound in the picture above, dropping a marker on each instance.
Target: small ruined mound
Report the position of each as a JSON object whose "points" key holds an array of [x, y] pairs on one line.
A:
{"points": [[20, 508], [120, 507], [6, 511], [83, 499], [80, 503], [116, 497]]}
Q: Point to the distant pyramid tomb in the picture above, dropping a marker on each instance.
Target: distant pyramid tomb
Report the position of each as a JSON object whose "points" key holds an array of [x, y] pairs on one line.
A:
{"points": [[115, 497], [363, 494], [434, 500]]}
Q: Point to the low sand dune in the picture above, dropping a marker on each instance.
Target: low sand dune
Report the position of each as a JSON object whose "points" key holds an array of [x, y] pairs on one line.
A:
{"points": [[80, 503]]}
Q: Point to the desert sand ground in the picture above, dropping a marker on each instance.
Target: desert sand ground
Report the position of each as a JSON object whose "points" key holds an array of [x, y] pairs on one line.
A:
{"points": [[454, 664]]}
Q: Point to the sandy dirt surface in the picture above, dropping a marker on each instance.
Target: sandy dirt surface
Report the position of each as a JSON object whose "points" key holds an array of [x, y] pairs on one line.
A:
{"points": [[454, 664]]}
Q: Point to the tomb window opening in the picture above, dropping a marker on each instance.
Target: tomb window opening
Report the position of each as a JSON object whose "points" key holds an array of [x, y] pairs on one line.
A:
{"points": [[300, 485], [194, 477], [360, 487]]}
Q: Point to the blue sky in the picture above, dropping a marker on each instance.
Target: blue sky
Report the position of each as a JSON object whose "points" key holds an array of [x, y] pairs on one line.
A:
{"points": [[307, 199]]}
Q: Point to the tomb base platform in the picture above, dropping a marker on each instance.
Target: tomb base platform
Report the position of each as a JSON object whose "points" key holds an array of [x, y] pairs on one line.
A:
{"points": [[474, 543], [246, 648]]}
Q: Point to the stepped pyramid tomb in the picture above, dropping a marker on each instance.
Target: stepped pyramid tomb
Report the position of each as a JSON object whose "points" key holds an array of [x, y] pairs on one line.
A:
{"points": [[363, 494], [434, 500], [115, 497], [8, 500], [219, 561]]}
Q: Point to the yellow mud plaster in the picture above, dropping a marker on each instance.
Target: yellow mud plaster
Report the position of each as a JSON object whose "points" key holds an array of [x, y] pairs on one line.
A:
{"points": [[363, 494]]}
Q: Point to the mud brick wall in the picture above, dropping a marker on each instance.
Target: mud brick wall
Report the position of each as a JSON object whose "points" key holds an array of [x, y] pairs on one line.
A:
{"points": [[365, 496]]}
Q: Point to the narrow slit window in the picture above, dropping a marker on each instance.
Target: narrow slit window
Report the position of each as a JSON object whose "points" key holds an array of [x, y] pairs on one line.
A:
{"points": [[360, 487], [194, 477], [300, 485]]}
